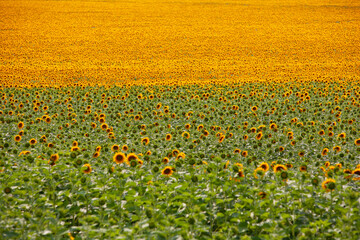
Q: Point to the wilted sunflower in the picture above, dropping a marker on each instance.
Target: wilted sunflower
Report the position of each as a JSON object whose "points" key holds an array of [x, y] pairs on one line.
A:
{"points": [[119, 158], [86, 168], [167, 171], [328, 184]]}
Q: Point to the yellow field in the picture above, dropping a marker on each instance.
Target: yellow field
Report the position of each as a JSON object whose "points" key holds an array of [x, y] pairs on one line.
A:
{"points": [[62, 42]]}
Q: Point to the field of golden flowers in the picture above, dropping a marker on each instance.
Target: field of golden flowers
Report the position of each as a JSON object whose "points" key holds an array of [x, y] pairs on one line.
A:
{"points": [[179, 119]]}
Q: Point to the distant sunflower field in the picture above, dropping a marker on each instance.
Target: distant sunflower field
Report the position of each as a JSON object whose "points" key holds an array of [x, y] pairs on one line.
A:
{"points": [[179, 120]]}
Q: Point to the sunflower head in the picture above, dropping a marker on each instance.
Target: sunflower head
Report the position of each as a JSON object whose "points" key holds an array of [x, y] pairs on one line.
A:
{"points": [[86, 168], [119, 157], [167, 171]]}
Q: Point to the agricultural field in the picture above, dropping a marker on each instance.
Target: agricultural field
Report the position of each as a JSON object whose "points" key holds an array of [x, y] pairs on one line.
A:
{"points": [[179, 119]]}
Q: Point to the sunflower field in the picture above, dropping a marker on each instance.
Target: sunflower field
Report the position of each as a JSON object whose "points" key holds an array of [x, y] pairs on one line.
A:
{"points": [[226, 120]]}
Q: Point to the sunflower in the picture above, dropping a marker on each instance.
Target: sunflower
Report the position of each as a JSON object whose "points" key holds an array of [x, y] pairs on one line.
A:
{"points": [[115, 148], [75, 144], [33, 141], [238, 151], [96, 154], [273, 126], [301, 154], [337, 149], [187, 126], [125, 148], [167, 171], [347, 171], [281, 149], [17, 138], [259, 172], [168, 137], [328, 184], [356, 171], [241, 173], [327, 164], [132, 157], [262, 195], [246, 137], [119, 157], [86, 168], [244, 153], [54, 157], [342, 135], [20, 125], [104, 126], [357, 142], [259, 136], [221, 139], [303, 168], [288, 165], [165, 160], [98, 149], [279, 168], [226, 164], [73, 149], [324, 152], [185, 135], [145, 141], [254, 108], [50, 145], [264, 166], [338, 165]]}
